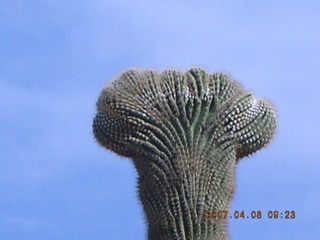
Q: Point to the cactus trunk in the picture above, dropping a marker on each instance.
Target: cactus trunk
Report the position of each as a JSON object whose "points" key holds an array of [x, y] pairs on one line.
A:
{"points": [[176, 200]]}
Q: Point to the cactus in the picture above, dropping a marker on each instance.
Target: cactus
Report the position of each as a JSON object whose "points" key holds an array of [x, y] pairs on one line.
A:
{"points": [[185, 132]]}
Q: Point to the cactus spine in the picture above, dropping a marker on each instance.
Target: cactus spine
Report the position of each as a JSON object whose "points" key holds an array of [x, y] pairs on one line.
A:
{"points": [[185, 132]]}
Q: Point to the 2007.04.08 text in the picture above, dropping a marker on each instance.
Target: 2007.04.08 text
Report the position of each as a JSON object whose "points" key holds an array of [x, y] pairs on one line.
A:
{"points": [[252, 215]]}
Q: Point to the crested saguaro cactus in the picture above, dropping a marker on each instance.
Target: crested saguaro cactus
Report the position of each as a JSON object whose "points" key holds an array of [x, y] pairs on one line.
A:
{"points": [[185, 132]]}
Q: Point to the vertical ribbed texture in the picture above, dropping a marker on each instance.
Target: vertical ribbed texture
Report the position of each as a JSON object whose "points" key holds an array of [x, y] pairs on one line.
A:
{"points": [[185, 131]]}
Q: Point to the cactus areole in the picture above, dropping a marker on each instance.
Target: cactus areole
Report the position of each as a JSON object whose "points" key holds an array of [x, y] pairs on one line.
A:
{"points": [[185, 131]]}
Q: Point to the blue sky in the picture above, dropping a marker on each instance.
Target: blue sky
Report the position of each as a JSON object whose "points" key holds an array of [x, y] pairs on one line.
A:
{"points": [[55, 56]]}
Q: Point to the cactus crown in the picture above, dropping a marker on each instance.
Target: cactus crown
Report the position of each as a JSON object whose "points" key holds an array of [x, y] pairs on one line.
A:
{"points": [[185, 131], [146, 111]]}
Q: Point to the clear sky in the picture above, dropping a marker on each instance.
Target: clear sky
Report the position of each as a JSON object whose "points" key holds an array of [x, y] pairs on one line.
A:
{"points": [[55, 57]]}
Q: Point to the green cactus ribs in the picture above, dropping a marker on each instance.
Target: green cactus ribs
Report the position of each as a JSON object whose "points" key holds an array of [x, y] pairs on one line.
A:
{"points": [[185, 132]]}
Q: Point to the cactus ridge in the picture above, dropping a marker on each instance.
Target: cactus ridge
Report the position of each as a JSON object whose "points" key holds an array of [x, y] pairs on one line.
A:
{"points": [[185, 132]]}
